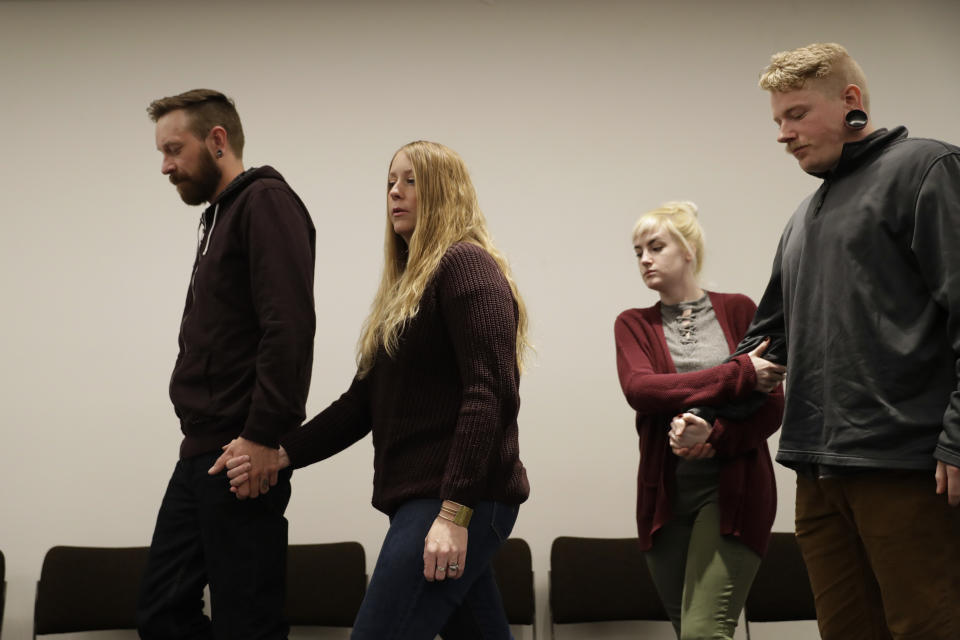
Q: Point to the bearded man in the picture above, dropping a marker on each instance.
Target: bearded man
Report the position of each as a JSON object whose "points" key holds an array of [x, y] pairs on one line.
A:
{"points": [[243, 372]]}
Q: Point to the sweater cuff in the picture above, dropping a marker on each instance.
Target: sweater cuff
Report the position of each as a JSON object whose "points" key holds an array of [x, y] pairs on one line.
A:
{"points": [[467, 496], [749, 376], [264, 428], [293, 443]]}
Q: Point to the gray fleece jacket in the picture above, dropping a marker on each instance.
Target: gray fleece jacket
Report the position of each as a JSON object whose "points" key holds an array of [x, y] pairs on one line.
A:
{"points": [[863, 306]]}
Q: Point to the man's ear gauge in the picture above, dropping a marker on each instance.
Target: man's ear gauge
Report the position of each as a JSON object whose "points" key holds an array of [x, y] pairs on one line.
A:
{"points": [[855, 119]]}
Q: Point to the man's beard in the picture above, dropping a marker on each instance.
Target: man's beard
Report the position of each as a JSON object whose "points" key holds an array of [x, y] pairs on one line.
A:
{"points": [[202, 186]]}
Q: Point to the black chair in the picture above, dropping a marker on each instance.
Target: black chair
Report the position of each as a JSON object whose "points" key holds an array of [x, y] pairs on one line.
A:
{"points": [[325, 583], [600, 580], [781, 591], [513, 570], [88, 589], [3, 588], [96, 589]]}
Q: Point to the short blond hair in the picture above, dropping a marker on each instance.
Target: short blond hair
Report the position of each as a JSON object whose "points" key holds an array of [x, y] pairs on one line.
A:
{"points": [[826, 64], [679, 219]]}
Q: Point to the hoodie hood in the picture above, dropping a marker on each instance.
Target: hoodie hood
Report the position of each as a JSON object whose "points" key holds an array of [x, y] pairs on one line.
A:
{"points": [[208, 219], [239, 183]]}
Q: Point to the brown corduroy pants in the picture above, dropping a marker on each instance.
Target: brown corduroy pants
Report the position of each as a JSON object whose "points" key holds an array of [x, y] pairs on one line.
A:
{"points": [[883, 553]]}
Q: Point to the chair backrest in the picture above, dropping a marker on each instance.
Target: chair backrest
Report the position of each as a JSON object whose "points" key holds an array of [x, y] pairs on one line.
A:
{"points": [[781, 591], [325, 583], [88, 589], [601, 579], [513, 570], [3, 588]]}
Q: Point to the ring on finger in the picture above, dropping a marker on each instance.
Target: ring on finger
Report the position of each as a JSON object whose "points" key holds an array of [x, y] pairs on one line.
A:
{"points": [[441, 569], [454, 568]]}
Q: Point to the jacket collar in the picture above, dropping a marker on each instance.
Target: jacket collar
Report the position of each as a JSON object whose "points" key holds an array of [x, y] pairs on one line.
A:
{"points": [[854, 154]]}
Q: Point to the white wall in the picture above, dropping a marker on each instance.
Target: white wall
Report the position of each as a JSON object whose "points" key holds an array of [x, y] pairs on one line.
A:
{"points": [[574, 118]]}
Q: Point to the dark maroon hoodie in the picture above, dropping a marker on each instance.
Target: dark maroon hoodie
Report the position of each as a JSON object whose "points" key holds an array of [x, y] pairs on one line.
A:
{"points": [[246, 338]]}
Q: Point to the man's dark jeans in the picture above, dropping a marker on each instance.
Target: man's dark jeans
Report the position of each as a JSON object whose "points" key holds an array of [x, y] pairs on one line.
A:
{"points": [[204, 535]]}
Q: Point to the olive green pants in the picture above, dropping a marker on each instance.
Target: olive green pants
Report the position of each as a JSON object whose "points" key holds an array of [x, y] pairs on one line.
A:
{"points": [[702, 577]]}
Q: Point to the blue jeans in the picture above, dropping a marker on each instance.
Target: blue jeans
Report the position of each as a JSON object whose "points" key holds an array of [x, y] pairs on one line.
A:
{"points": [[401, 605]]}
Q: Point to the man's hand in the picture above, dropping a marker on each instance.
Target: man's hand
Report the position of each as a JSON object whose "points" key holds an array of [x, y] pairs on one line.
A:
{"points": [[263, 466], [769, 375], [948, 481], [238, 469]]}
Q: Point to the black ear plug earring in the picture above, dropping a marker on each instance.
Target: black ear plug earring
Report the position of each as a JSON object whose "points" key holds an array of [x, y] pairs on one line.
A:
{"points": [[855, 119], [220, 151]]}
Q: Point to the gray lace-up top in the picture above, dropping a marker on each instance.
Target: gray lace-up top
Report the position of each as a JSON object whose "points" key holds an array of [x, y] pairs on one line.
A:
{"points": [[696, 341]]}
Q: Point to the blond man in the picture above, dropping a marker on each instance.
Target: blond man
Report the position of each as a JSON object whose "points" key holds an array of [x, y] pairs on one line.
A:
{"points": [[863, 306]]}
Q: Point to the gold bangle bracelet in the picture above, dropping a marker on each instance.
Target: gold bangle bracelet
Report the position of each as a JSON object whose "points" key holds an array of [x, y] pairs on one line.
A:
{"points": [[456, 513]]}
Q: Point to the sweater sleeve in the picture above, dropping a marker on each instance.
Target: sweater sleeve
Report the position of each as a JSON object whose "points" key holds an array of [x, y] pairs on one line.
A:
{"points": [[649, 391], [479, 315], [280, 241], [936, 238], [734, 437], [343, 423]]}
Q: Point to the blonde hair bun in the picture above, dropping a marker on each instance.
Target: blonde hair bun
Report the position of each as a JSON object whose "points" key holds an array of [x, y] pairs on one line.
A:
{"points": [[686, 206]]}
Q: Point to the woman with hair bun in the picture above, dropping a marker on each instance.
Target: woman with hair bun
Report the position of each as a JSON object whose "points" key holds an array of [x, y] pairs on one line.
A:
{"points": [[706, 497], [439, 361]]}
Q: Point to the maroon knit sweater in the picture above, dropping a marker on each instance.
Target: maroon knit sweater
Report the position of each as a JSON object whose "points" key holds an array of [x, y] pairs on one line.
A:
{"points": [[747, 492], [443, 409]]}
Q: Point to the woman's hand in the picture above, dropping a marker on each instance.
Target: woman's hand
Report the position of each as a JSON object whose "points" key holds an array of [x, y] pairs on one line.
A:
{"points": [[688, 437], [444, 551], [769, 374]]}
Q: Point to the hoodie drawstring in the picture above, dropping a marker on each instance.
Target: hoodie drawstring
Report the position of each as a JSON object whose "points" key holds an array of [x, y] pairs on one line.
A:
{"points": [[213, 224]]}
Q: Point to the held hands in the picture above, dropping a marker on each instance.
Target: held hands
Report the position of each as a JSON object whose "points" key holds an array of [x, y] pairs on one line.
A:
{"points": [[948, 481], [444, 551], [688, 437], [769, 374], [252, 468]]}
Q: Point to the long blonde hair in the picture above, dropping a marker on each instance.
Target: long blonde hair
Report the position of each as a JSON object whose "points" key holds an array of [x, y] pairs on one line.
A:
{"points": [[447, 212]]}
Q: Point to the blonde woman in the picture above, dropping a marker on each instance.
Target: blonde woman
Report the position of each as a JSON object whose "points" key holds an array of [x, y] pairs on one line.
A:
{"points": [[706, 497], [437, 384]]}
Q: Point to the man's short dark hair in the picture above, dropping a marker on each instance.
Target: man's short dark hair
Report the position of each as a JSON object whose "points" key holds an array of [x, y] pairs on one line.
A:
{"points": [[206, 109]]}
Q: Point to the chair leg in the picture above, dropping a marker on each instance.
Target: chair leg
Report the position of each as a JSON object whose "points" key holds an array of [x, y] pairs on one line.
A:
{"points": [[746, 627]]}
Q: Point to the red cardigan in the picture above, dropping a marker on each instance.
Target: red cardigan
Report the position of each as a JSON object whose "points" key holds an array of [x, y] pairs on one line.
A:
{"points": [[747, 491]]}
